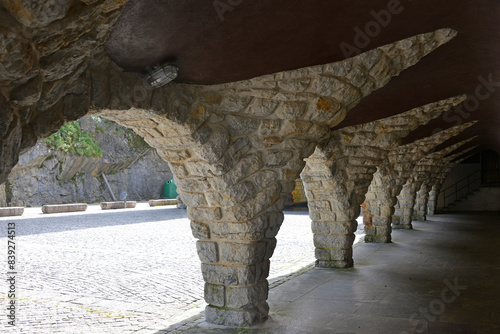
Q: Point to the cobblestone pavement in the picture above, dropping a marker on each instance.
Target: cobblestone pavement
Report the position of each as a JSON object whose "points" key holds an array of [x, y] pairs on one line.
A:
{"points": [[125, 271]]}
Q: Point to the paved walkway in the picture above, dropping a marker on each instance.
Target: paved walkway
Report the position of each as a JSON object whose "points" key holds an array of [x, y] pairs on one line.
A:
{"points": [[120, 271], [441, 277]]}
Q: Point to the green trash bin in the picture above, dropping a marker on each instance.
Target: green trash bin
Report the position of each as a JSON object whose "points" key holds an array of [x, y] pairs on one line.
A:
{"points": [[170, 189]]}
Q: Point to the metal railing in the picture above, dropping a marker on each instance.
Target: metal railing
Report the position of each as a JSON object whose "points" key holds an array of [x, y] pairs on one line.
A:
{"points": [[461, 188]]}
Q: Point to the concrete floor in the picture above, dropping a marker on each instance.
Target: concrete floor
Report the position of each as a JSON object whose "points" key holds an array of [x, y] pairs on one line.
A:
{"points": [[441, 277]]}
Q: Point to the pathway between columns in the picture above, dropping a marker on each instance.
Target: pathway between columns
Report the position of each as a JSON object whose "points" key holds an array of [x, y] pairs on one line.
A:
{"points": [[441, 277]]}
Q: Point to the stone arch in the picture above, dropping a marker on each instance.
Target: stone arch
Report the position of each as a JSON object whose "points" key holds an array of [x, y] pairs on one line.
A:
{"points": [[420, 173], [391, 176], [337, 177], [235, 150]]}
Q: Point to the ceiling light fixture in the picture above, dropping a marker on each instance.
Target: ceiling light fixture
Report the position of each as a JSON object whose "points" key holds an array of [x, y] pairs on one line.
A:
{"points": [[161, 75]]}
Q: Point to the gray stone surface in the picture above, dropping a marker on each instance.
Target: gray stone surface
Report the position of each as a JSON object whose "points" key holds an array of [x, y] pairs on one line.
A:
{"points": [[44, 176], [127, 271], [47, 47]]}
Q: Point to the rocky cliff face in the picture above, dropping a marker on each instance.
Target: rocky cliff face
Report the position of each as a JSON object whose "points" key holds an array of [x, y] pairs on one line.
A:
{"points": [[46, 176], [3, 200], [46, 49]]}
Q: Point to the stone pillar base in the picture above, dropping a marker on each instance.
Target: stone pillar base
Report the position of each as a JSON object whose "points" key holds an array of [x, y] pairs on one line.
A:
{"points": [[335, 264], [379, 234], [237, 317], [420, 217], [402, 227], [334, 250], [401, 223], [381, 239]]}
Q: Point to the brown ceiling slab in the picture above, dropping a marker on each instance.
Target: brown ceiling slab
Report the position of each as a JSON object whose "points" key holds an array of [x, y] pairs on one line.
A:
{"points": [[259, 37]]}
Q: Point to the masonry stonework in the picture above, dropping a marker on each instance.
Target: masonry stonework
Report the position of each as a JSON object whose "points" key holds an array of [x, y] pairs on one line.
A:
{"points": [[438, 181], [235, 150], [381, 204], [438, 174], [423, 170], [421, 201], [337, 176], [404, 210]]}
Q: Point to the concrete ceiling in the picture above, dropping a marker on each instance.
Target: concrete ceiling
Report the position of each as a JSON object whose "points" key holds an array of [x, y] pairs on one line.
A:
{"points": [[228, 40]]}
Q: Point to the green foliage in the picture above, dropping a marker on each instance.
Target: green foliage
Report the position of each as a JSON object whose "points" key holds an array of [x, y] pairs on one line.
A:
{"points": [[72, 139], [100, 129]]}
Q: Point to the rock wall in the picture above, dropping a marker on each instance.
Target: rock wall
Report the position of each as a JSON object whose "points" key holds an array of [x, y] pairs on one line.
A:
{"points": [[46, 48], [44, 176], [3, 200]]}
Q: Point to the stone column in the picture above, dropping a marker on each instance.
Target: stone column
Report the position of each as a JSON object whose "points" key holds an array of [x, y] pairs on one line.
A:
{"points": [[406, 199], [235, 150], [420, 209], [235, 215], [440, 177], [338, 174], [424, 170], [235, 174], [334, 205], [432, 201], [380, 205]]}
